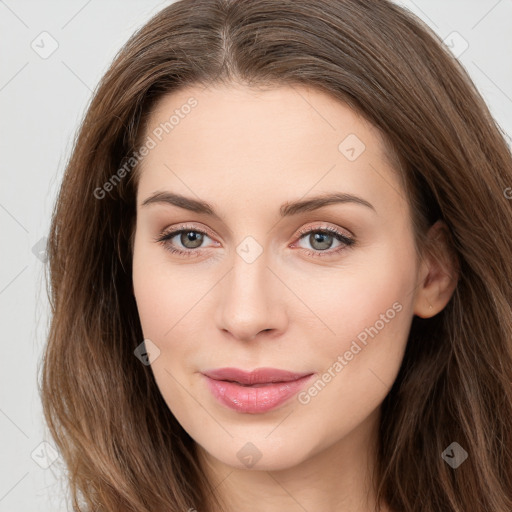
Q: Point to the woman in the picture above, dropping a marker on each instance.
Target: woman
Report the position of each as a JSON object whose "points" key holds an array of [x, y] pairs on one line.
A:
{"points": [[280, 270]]}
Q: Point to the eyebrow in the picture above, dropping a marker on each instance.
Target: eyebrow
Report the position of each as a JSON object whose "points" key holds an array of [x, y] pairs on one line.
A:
{"points": [[287, 209]]}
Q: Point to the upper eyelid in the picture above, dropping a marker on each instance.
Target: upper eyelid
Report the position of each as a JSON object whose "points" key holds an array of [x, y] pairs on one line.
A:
{"points": [[176, 230]]}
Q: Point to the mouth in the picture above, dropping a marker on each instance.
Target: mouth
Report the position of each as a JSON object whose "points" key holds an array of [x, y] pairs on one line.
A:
{"points": [[255, 392]]}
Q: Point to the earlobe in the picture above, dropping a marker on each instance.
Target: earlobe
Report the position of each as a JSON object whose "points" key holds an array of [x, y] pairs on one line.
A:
{"points": [[439, 273]]}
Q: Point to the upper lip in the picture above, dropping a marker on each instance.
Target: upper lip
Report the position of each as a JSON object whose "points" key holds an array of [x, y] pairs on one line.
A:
{"points": [[256, 376]]}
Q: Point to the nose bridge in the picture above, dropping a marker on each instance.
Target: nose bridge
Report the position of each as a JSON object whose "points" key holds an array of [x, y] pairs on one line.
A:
{"points": [[248, 302]]}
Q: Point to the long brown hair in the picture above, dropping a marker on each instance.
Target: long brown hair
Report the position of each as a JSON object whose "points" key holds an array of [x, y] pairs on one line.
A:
{"points": [[123, 448]]}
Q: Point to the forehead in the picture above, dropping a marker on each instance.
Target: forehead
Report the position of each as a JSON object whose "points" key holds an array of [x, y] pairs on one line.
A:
{"points": [[242, 144]]}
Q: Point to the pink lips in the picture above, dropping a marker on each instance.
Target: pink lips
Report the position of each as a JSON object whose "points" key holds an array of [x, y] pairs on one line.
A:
{"points": [[254, 392]]}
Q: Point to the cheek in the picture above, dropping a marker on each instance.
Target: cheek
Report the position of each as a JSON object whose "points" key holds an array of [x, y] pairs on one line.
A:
{"points": [[369, 313], [370, 290], [160, 290], [169, 306], [162, 301], [153, 303]]}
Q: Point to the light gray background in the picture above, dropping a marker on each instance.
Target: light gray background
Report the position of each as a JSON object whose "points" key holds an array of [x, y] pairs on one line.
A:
{"points": [[42, 101]]}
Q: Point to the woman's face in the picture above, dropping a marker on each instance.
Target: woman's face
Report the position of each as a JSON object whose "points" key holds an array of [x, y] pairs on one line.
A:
{"points": [[258, 282]]}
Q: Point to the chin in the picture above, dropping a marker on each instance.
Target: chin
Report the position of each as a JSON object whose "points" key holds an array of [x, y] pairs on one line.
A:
{"points": [[259, 454]]}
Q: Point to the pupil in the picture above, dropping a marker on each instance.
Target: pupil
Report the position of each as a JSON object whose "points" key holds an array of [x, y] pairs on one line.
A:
{"points": [[320, 237], [191, 236]]}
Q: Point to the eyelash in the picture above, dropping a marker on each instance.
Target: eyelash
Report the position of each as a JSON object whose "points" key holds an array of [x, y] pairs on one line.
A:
{"points": [[164, 237]]}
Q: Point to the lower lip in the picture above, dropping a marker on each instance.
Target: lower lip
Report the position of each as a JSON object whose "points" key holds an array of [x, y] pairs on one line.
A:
{"points": [[254, 400]]}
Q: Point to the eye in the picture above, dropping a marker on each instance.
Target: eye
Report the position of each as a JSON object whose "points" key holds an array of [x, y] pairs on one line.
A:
{"points": [[187, 241], [322, 239]]}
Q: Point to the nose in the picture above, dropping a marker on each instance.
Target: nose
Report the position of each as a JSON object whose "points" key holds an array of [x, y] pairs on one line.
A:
{"points": [[251, 300]]}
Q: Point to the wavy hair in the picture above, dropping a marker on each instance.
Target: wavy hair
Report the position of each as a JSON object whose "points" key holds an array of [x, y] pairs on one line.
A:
{"points": [[123, 448]]}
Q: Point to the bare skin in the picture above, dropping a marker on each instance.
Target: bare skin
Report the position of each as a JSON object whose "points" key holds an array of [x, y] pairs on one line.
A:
{"points": [[299, 305]]}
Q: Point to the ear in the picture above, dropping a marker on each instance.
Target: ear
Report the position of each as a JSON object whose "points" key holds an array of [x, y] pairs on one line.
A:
{"points": [[438, 273]]}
